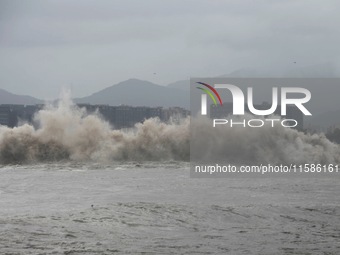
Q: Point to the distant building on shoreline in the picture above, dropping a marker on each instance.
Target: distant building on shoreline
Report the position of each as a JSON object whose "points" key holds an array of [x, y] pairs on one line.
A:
{"points": [[11, 114], [122, 116]]}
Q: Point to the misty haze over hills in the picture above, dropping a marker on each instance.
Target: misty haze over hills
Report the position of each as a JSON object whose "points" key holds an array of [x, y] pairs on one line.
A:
{"points": [[326, 70], [137, 92], [144, 93], [131, 92], [10, 98]]}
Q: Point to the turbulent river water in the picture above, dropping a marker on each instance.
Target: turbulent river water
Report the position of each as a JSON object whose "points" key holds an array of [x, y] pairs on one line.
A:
{"points": [[130, 192], [156, 208]]}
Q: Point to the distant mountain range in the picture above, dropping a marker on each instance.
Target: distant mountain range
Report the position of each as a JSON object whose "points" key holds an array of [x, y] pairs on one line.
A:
{"points": [[182, 85], [10, 98], [144, 93], [139, 93], [132, 92], [136, 92]]}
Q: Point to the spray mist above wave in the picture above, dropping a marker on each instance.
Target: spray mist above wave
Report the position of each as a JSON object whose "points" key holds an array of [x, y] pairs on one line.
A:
{"points": [[267, 144], [67, 132]]}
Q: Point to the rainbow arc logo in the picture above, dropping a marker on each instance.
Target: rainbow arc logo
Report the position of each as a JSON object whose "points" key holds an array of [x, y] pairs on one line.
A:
{"points": [[211, 91]]}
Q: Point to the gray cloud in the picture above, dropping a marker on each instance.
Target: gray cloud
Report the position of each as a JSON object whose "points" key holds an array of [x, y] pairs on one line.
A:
{"points": [[88, 45]]}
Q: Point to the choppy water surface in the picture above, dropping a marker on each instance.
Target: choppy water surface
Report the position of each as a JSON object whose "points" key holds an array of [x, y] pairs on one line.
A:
{"points": [[154, 208]]}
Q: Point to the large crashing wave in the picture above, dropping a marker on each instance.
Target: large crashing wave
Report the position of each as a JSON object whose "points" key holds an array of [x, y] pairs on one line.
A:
{"points": [[274, 145], [67, 132]]}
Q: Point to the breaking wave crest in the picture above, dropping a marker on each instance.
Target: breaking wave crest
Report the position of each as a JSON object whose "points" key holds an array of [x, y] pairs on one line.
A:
{"points": [[66, 132], [275, 145]]}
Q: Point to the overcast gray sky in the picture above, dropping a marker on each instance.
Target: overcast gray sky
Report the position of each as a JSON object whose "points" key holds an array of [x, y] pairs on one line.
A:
{"points": [[87, 45]]}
